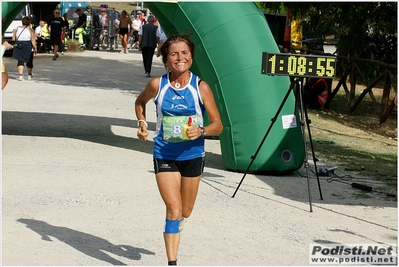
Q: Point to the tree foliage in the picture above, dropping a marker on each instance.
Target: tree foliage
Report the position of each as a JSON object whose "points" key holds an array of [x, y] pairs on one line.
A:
{"points": [[363, 29]]}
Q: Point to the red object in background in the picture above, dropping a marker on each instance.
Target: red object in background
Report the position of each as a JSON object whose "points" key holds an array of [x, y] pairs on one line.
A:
{"points": [[287, 33], [323, 96]]}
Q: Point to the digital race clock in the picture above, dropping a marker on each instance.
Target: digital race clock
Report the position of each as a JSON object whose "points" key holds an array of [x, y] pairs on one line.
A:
{"points": [[298, 65]]}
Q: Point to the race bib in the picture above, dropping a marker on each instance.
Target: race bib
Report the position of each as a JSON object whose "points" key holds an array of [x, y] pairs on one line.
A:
{"points": [[175, 128]]}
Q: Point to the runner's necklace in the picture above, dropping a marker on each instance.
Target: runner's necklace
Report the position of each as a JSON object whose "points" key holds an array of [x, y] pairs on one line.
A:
{"points": [[177, 85]]}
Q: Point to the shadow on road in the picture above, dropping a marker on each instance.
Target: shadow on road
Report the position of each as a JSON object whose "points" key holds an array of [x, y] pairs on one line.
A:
{"points": [[86, 128], [88, 244]]}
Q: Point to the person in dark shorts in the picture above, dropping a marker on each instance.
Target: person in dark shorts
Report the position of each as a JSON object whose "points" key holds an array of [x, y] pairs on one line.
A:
{"points": [[181, 98], [55, 27], [124, 23]]}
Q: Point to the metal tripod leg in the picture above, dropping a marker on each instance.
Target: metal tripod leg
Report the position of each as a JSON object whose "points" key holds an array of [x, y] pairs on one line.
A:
{"points": [[312, 148], [305, 120], [303, 116], [264, 138], [306, 163]]}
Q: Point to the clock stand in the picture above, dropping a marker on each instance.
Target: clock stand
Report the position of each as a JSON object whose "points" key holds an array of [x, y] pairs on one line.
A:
{"points": [[290, 65]]}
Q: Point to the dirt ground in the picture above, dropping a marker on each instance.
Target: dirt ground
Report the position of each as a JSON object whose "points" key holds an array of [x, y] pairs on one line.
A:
{"points": [[78, 186]]}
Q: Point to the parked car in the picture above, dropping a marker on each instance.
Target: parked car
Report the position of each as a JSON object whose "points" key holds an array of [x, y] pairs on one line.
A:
{"points": [[316, 44]]}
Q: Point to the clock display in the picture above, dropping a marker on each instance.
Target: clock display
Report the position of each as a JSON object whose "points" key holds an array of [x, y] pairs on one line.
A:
{"points": [[298, 65]]}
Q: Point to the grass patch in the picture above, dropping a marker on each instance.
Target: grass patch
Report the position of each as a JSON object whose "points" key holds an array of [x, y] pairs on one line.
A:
{"points": [[356, 141], [339, 196]]}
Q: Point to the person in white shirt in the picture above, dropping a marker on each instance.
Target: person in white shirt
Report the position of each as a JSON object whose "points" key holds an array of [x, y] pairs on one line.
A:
{"points": [[24, 48], [162, 37], [40, 39], [136, 28], [104, 23]]}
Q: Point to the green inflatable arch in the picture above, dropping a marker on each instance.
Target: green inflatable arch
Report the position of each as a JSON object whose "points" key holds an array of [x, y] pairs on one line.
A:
{"points": [[9, 10], [230, 38]]}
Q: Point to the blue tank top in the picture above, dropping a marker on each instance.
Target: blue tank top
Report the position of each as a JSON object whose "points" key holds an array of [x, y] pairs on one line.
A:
{"points": [[173, 108]]}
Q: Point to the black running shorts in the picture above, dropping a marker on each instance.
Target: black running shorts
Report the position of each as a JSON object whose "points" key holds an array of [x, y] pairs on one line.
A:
{"points": [[187, 168]]}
